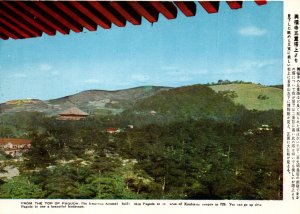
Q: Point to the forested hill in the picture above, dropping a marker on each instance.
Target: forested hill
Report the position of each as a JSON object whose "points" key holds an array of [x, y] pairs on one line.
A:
{"points": [[184, 103]]}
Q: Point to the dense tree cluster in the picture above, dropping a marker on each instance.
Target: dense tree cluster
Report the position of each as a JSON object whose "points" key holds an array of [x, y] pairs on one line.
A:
{"points": [[195, 159], [226, 82]]}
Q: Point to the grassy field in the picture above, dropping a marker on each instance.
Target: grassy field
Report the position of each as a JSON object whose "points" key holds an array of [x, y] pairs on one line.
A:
{"points": [[247, 95]]}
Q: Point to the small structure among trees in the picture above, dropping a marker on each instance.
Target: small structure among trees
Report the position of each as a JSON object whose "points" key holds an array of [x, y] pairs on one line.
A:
{"points": [[14, 146], [113, 130], [72, 114]]}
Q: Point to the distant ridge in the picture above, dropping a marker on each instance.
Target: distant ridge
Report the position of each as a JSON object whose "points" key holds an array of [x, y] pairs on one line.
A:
{"points": [[103, 102], [91, 101]]}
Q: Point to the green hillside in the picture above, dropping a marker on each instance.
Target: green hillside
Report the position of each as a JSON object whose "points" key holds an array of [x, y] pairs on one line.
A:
{"points": [[184, 103], [254, 96]]}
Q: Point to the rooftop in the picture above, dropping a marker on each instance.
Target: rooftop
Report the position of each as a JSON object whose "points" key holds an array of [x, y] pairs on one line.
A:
{"points": [[73, 111], [14, 141], [27, 19]]}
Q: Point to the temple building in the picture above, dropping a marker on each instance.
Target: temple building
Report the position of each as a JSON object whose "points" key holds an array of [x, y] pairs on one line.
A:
{"points": [[72, 114]]}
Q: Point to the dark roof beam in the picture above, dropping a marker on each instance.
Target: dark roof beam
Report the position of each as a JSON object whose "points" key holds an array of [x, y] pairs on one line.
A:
{"points": [[166, 8], [76, 15], [145, 9], [31, 8], [2, 36], [261, 2], [12, 26], [29, 18], [48, 7], [127, 12], [15, 19], [188, 8], [234, 5], [9, 32], [98, 18], [210, 6], [109, 13]]}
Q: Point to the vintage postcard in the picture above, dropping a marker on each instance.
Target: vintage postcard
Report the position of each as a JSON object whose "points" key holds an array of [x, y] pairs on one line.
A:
{"points": [[148, 106]]}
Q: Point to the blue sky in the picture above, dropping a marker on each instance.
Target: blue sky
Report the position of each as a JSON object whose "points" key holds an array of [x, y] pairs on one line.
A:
{"points": [[243, 44]]}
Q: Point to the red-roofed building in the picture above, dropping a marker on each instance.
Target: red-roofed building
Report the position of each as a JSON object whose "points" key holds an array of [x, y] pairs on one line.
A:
{"points": [[14, 146], [112, 130]]}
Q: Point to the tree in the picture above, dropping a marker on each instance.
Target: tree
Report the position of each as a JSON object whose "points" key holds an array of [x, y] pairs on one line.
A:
{"points": [[20, 187]]}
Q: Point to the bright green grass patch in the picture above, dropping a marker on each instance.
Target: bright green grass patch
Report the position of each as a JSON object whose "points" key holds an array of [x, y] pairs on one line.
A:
{"points": [[254, 96]]}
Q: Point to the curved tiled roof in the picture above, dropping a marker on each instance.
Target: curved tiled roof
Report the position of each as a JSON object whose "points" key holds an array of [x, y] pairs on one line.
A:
{"points": [[73, 111], [27, 19]]}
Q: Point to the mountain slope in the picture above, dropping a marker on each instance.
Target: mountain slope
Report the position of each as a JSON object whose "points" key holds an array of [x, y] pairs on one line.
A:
{"points": [[184, 103], [188, 100], [92, 101], [254, 96]]}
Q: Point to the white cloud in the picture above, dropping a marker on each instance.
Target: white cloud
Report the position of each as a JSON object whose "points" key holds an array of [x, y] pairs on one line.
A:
{"points": [[19, 75], [43, 69], [252, 31]]}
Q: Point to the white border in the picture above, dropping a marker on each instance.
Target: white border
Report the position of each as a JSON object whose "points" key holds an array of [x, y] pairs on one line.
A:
{"points": [[286, 205]]}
